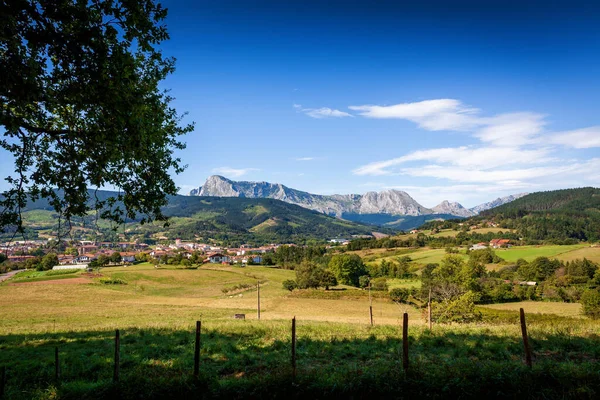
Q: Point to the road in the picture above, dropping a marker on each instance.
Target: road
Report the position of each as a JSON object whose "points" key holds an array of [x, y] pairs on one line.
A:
{"points": [[9, 275]]}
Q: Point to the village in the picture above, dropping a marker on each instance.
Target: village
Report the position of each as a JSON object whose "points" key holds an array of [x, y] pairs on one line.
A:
{"points": [[80, 254]]}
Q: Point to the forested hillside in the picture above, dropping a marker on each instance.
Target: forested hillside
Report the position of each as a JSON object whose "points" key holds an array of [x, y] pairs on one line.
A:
{"points": [[228, 220], [559, 216]]}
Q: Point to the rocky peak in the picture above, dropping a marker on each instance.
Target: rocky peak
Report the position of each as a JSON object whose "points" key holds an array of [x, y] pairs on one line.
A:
{"points": [[453, 208]]}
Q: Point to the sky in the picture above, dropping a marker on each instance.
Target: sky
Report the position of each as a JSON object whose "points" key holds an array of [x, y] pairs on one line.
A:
{"points": [[464, 101]]}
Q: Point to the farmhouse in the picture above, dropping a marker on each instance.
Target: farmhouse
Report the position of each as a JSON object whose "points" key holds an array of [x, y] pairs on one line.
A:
{"points": [[498, 243], [217, 258]]}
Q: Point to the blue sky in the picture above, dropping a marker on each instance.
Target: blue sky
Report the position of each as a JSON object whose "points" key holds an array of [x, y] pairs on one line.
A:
{"points": [[464, 101]]}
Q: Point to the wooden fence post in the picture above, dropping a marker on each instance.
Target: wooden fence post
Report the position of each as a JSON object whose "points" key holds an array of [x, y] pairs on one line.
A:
{"points": [[294, 347], [56, 365], [2, 380], [258, 299], [405, 342], [370, 304], [197, 350], [525, 339], [117, 356], [429, 309]]}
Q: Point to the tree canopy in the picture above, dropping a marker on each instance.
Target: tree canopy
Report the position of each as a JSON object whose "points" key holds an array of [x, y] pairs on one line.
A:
{"points": [[81, 108]]}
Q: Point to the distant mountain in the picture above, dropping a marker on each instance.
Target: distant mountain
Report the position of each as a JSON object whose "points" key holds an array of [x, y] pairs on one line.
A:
{"points": [[402, 222], [495, 203], [387, 208], [394, 202], [452, 208]]}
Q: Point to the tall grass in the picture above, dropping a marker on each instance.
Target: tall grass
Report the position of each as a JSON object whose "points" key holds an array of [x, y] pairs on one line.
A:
{"points": [[251, 359]]}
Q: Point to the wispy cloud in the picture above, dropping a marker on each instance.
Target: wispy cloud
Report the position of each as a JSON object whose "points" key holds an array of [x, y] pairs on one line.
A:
{"points": [[323, 112], [233, 172], [304, 158], [580, 139], [468, 157], [512, 129], [515, 150]]}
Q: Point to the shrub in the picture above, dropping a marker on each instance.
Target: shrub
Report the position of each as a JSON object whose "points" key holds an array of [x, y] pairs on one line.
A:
{"points": [[363, 281], [112, 281], [399, 295], [62, 272], [379, 284], [459, 309], [290, 285]]}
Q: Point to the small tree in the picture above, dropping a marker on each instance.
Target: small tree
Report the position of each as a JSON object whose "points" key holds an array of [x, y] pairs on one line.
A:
{"points": [[591, 303], [363, 281], [115, 257], [290, 285], [48, 261], [308, 275], [348, 268], [328, 279]]}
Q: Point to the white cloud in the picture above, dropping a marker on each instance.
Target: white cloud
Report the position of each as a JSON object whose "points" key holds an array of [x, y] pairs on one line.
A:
{"points": [[323, 112], [233, 172], [510, 176], [512, 129], [434, 115], [468, 157], [580, 138], [304, 158], [515, 129]]}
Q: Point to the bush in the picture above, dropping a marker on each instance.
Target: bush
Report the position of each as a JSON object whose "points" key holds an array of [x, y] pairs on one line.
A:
{"points": [[62, 272], [399, 295], [112, 281], [363, 281], [290, 285], [379, 284], [460, 309]]}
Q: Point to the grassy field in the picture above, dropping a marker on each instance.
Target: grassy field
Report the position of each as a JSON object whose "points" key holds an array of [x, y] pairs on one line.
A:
{"points": [[530, 252], [591, 253], [427, 255], [538, 307], [339, 353]]}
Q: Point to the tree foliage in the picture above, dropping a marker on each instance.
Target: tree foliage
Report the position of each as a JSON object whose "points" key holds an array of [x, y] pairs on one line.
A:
{"points": [[348, 268], [81, 108]]}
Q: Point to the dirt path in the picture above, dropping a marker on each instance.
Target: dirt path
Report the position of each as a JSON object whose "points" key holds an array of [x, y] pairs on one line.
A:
{"points": [[9, 275]]}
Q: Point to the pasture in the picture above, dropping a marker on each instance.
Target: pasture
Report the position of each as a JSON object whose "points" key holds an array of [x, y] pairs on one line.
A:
{"points": [[531, 252], [339, 353]]}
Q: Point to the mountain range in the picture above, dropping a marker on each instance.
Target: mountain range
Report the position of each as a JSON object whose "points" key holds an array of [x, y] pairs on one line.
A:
{"points": [[371, 207]]}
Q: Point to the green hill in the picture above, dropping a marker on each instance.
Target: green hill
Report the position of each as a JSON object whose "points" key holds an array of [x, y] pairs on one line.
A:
{"points": [[565, 201], [226, 219], [558, 216]]}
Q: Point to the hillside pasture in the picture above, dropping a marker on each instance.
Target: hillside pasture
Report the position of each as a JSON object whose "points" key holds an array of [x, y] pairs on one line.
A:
{"points": [[591, 253], [339, 353], [531, 252], [572, 310]]}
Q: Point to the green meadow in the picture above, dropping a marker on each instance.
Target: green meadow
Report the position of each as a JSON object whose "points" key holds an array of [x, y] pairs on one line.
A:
{"points": [[338, 351]]}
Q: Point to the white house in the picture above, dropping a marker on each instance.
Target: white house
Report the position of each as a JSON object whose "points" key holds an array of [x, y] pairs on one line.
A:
{"points": [[217, 258]]}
